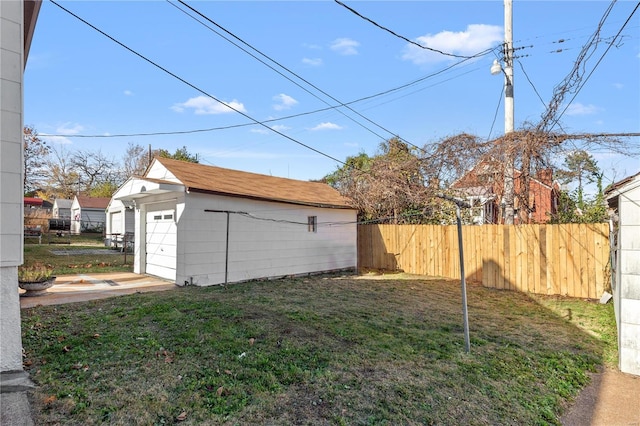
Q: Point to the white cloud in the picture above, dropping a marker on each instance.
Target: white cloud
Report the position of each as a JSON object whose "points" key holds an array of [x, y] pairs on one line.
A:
{"points": [[280, 128], [580, 109], [326, 126], [202, 105], [312, 46], [57, 140], [313, 62], [128, 93], [475, 39], [263, 131], [284, 102], [618, 86], [69, 128], [345, 46]]}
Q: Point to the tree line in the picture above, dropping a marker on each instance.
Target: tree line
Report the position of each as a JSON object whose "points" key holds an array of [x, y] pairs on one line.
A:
{"points": [[401, 183], [52, 172]]}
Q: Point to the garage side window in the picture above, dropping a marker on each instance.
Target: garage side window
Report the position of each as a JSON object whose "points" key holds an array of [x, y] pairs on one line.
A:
{"points": [[312, 222]]}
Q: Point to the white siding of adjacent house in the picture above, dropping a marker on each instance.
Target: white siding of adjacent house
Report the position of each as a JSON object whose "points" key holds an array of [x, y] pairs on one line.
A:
{"points": [[627, 291], [11, 204], [273, 243], [83, 218]]}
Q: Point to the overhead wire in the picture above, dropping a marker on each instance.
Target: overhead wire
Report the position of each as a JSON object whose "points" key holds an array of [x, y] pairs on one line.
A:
{"points": [[263, 123], [355, 12], [582, 84], [194, 86], [272, 120], [340, 104], [254, 121], [201, 90]]}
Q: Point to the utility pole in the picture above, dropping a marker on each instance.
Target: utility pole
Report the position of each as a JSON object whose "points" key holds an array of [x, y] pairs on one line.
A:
{"points": [[509, 190]]}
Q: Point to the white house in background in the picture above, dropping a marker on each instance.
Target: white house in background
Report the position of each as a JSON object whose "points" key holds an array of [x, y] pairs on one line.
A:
{"points": [[205, 225], [624, 199], [88, 214], [18, 21], [61, 208], [120, 220]]}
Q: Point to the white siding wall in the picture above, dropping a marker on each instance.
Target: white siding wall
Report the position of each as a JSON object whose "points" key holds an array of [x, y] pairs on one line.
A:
{"points": [[260, 248], [126, 222], [11, 203], [629, 279]]}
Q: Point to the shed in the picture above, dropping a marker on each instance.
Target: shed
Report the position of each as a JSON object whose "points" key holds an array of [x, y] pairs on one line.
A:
{"points": [[120, 221], [62, 208], [624, 200], [205, 225], [88, 214]]}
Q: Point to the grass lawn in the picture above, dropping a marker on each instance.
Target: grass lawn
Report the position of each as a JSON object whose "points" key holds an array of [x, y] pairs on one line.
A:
{"points": [[64, 254], [318, 350]]}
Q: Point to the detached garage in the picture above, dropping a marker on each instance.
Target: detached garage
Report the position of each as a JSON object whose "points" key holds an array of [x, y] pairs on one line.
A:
{"points": [[206, 225]]}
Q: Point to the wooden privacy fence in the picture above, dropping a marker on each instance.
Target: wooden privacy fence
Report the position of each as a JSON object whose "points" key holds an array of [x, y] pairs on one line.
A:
{"points": [[565, 259]]}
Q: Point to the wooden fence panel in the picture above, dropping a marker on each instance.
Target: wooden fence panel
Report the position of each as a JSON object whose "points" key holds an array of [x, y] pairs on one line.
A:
{"points": [[565, 259]]}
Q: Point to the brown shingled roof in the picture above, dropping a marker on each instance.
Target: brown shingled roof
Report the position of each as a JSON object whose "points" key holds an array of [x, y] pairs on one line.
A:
{"points": [[217, 180], [93, 202]]}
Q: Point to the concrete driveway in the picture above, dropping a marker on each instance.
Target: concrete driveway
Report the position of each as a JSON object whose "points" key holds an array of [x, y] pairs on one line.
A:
{"points": [[83, 287]]}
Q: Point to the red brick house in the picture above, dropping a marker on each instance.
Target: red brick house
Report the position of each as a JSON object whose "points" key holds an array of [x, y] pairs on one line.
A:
{"points": [[482, 188]]}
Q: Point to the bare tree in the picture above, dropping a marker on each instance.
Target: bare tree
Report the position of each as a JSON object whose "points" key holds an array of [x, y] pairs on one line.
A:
{"points": [[35, 156], [61, 180], [135, 161], [94, 168]]}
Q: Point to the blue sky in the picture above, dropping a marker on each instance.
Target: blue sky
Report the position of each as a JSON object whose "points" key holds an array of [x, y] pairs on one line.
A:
{"points": [[78, 82]]}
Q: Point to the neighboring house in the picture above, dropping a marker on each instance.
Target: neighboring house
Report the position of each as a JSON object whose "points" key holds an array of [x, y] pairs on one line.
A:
{"points": [[34, 203], [17, 20], [120, 221], [482, 185], [62, 208], [624, 200], [88, 214], [205, 225]]}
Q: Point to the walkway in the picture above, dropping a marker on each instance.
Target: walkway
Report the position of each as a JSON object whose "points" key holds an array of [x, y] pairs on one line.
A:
{"points": [[83, 287]]}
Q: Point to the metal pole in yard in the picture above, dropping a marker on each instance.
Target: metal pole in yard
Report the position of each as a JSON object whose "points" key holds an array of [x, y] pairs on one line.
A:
{"points": [[467, 343], [463, 281]]}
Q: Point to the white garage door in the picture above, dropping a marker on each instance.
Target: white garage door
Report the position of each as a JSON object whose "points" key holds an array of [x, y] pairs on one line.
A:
{"points": [[161, 243], [116, 223]]}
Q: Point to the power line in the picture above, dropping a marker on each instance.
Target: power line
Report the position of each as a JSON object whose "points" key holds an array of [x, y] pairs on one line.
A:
{"points": [[355, 12], [272, 120], [194, 86], [595, 66], [200, 90], [340, 104], [549, 118], [495, 115]]}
